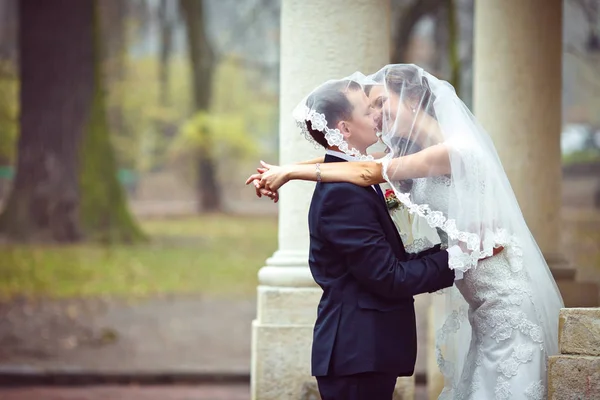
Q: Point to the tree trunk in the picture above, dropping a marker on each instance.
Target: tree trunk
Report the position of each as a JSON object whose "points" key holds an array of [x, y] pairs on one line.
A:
{"points": [[56, 72], [166, 24], [453, 50], [406, 23], [61, 98], [441, 64], [113, 15], [104, 210], [8, 31], [202, 60]]}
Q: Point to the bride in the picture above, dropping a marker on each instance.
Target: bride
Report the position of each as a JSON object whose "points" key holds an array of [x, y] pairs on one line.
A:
{"points": [[500, 321]]}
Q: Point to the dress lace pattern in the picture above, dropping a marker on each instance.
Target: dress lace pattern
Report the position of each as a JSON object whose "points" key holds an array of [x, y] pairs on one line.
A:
{"points": [[506, 357]]}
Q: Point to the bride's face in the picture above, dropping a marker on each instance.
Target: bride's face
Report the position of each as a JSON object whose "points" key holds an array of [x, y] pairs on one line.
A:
{"points": [[394, 114]]}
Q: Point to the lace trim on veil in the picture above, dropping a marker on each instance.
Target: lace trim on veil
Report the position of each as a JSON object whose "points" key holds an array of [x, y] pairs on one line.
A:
{"points": [[466, 259], [333, 136]]}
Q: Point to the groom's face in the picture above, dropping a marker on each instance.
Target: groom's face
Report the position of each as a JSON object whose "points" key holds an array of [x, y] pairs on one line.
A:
{"points": [[361, 129]]}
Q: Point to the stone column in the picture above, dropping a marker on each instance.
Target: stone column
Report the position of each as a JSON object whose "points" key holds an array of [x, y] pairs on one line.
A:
{"points": [[320, 40], [517, 98]]}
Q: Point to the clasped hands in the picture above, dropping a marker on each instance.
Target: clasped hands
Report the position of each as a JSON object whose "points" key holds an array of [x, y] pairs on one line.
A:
{"points": [[268, 179]]}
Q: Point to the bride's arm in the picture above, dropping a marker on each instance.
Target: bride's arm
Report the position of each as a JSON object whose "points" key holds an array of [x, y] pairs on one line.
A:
{"points": [[432, 161]]}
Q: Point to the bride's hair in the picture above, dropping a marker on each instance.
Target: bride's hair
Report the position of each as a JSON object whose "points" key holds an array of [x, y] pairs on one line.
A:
{"points": [[410, 84], [331, 101]]}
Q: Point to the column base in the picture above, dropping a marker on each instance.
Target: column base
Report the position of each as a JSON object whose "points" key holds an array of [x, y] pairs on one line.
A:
{"points": [[574, 294], [281, 342], [280, 361], [281, 346]]}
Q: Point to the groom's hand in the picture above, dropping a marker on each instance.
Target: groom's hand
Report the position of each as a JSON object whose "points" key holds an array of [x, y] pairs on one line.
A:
{"points": [[261, 190]]}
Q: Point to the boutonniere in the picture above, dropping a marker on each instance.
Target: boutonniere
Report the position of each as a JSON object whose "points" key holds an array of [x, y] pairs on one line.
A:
{"points": [[391, 200]]}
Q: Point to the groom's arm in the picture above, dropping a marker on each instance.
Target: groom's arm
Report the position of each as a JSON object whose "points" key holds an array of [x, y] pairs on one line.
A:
{"points": [[351, 225], [424, 253]]}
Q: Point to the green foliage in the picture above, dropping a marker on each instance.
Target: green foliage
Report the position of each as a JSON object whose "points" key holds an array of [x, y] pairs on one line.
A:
{"points": [[9, 111], [139, 143], [235, 128], [226, 134], [586, 156]]}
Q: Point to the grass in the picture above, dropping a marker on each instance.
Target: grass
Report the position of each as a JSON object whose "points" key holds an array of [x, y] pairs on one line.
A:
{"points": [[213, 254]]}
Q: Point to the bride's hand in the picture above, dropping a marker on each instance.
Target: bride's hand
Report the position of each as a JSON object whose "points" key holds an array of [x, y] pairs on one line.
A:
{"points": [[274, 176], [259, 186]]}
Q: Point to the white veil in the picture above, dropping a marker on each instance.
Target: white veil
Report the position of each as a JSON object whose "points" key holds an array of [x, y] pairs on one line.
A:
{"points": [[479, 212], [323, 107]]}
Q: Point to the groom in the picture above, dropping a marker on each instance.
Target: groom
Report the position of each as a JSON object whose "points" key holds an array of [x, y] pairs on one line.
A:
{"points": [[365, 333]]}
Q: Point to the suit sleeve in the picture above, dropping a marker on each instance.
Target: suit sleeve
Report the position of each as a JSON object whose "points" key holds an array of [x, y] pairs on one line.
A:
{"points": [[351, 225]]}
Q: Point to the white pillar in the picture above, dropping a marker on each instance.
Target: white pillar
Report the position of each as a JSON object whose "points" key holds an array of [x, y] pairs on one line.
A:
{"points": [[517, 98], [320, 40]]}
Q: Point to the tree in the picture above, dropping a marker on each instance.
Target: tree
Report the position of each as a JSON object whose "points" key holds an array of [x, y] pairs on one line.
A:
{"points": [[202, 63], [104, 212], [62, 111], [166, 22], [239, 119], [56, 72]]}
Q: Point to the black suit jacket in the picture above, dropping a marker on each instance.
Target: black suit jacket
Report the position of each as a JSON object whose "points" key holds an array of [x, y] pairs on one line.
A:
{"points": [[366, 317]]}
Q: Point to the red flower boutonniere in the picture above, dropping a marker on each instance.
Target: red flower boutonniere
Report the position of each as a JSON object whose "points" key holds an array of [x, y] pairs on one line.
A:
{"points": [[391, 200]]}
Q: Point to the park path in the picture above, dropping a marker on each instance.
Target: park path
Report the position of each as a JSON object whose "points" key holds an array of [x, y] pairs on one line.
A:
{"points": [[160, 335], [204, 392], [169, 334]]}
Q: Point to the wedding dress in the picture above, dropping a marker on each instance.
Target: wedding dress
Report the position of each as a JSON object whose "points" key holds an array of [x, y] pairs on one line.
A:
{"points": [[505, 358]]}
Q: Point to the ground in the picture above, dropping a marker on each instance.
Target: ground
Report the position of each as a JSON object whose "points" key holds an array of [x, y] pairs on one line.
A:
{"points": [[191, 334], [206, 392], [181, 303]]}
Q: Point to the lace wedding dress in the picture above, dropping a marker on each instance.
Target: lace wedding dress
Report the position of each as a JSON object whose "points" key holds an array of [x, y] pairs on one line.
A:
{"points": [[505, 357]]}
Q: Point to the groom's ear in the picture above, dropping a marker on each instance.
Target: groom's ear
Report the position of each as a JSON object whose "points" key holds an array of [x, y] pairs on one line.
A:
{"points": [[344, 128]]}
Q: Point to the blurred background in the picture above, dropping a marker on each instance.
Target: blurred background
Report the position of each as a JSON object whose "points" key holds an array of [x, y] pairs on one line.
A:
{"points": [[128, 241]]}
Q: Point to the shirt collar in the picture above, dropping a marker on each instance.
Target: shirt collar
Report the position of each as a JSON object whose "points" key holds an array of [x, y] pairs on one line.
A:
{"points": [[341, 155]]}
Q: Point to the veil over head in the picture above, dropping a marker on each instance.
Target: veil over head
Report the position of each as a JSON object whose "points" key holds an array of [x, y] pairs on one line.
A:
{"points": [[319, 112], [479, 211]]}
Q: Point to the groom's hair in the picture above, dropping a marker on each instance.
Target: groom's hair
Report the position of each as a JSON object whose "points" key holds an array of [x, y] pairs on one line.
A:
{"points": [[331, 101]]}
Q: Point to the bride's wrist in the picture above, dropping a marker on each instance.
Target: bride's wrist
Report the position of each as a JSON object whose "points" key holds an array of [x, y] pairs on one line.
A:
{"points": [[290, 171]]}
